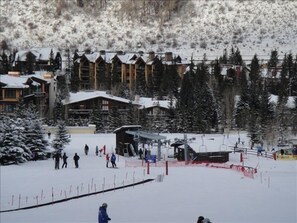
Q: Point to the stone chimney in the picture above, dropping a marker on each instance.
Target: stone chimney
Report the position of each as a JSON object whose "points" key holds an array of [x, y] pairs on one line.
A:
{"points": [[151, 55], [168, 56]]}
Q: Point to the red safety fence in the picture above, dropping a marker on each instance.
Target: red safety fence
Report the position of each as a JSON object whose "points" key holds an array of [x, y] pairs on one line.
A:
{"points": [[246, 170]]}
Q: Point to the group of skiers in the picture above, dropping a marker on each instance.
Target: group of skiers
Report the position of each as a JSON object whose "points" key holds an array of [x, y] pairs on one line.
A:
{"points": [[57, 156]]}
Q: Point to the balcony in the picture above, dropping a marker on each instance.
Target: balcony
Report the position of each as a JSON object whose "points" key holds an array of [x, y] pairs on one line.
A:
{"points": [[38, 94]]}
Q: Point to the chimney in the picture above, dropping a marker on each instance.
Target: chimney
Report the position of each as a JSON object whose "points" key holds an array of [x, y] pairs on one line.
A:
{"points": [[168, 56], [14, 73], [151, 55], [102, 52], [136, 98]]}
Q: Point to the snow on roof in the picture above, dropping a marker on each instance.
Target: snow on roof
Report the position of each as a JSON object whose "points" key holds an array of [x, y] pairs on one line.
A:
{"points": [[13, 82], [126, 58], [20, 82], [92, 57], [108, 57], [86, 95], [39, 53], [151, 102]]}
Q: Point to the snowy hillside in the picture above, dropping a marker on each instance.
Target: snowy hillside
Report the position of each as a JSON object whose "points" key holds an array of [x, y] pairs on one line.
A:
{"points": [[198, 27]]}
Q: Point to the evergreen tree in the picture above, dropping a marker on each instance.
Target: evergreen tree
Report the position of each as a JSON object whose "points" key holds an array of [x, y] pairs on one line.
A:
{"points": [[33, 131], [171, 119], [254, 103], [266, 112], [157, 77], [30, 63], [242, 106], [140, 83], [284, 82], [97, 119], [273, 61], [4, 66], [61, 137], [294, 78], [143, 119], [131, 117], [51, 61], [115, 120], [13, 148], [58, 110], [170, 81]]}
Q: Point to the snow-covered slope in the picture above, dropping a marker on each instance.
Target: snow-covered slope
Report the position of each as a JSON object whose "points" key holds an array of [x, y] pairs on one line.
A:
{"points": [[198, 27]]}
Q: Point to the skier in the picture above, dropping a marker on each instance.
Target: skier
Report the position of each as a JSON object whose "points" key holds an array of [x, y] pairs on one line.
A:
{"points": [[112, 160], [107, 159], [97, 151], [76, 158], [64, 160], [140, 152], [102, 214], [57, 157], [86, 149]]}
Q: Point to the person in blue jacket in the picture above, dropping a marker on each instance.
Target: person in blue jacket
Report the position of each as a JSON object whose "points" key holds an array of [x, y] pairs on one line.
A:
{"points": [[102, 214], [112, 160]]}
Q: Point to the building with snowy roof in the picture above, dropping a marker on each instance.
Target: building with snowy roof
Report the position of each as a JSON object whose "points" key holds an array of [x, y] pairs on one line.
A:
{"points": [[34, 88]]}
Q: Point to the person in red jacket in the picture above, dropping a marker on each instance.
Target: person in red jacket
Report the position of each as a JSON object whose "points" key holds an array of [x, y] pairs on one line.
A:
{"points": [[107, 159]]}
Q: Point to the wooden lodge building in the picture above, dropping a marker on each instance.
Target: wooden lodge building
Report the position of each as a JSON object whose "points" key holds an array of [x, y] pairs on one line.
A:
{"points": [[94, 69]]}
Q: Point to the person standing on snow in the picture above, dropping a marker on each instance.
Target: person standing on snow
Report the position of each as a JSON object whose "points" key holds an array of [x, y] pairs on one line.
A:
{"points": [[112, 160], [86, 149], [96, 150], [57, 157], [64, 160], [76, 158], [107, 159], [102, 214]]}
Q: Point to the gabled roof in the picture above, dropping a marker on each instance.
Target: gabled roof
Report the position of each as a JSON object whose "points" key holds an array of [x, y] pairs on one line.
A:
{"points": [[39, 53], [87, 95], [150, 103]]}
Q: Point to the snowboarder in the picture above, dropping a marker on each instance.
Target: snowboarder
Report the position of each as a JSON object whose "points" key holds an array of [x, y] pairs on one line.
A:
{"points": [[86, 149], [49, 134], [57, 157], [112, 160], [102, 214], [96, 151], [76, 158], [64, 160], [107, 159]]}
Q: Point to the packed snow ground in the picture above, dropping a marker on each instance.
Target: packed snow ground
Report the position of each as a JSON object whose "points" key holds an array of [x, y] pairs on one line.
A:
{"points": [[223, 195]]}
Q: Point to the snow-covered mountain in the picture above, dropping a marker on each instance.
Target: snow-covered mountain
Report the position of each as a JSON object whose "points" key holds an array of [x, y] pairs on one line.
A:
{"points": [[193, 28]]}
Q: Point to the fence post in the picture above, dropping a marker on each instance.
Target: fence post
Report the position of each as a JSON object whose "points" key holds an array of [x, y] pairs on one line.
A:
{"points": [[166, 166], [148, 168]]}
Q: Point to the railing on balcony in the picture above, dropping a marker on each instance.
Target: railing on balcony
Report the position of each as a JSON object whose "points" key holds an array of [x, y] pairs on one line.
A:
{"points": [[39, 94]]}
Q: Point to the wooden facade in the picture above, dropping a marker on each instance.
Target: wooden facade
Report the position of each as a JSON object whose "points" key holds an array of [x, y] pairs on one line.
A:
{"points": [[31, 89], [99, 71]]}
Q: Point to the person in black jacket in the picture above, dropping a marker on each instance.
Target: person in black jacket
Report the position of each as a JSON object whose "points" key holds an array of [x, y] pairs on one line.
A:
{"points": [[64, 160], [76, 158]]}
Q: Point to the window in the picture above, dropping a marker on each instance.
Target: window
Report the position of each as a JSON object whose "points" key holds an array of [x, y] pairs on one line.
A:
{"points": [[9, 93], [105, 106]]}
